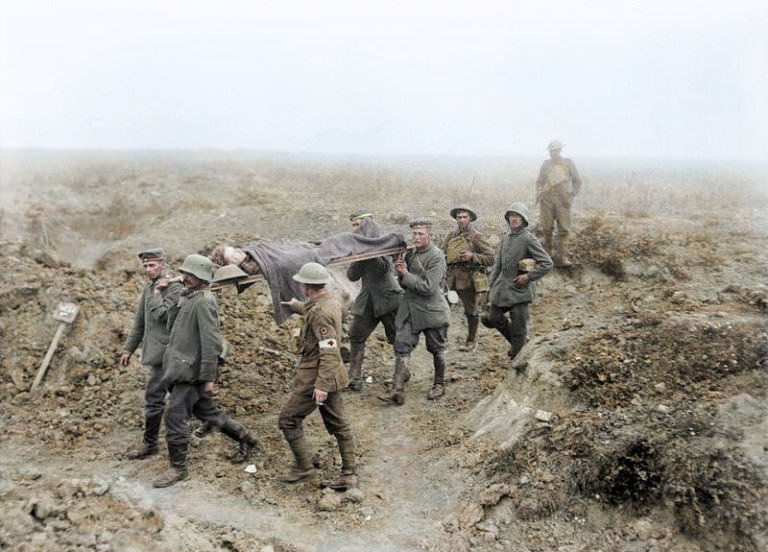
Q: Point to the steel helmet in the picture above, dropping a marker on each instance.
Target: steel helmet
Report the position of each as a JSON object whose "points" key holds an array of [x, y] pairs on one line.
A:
{"points": [[313, 273], [519, 208], [198, 266], [555, 145], [464, 207]]}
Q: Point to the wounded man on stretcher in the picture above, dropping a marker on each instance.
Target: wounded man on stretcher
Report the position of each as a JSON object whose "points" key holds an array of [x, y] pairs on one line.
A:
{"points": [[278, 262]]}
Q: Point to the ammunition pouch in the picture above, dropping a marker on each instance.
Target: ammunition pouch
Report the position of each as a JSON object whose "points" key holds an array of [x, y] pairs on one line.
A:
{"points": [[480, 280], [455, 248]]}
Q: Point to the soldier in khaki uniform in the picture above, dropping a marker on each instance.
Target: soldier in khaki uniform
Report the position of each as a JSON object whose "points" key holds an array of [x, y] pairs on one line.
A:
{"points": [[468, 254], [558, 183], [513, 283], [377, 301], [149, 330], [320, 378], [191, 366], [422, 309]]}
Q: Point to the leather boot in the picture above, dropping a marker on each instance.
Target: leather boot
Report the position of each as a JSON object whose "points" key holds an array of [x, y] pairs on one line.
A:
{"points": [[151, 431], [515, 346], [246, 441], [471, 344], [203, 430], [402, 374], [356, 356], [348, 478], [177, 471], [302, 469], [438, 387], [565, 261]]}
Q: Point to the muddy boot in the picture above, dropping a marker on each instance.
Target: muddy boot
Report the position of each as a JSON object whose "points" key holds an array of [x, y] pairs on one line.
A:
{"points": [[516, 345], [177, 471], [402, 374], [302, 469], [564, 260], [471, 345], [151, 431], [348, 478], [356, 367], [203, 430], [246, 442], [438, 387]]}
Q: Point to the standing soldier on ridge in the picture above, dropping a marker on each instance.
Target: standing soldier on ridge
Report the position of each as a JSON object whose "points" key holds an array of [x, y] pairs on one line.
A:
{"points": [[423, 309], [377, 301], [320, 378], [191, 367], [149, 330], [558, 183], [468, 254]]}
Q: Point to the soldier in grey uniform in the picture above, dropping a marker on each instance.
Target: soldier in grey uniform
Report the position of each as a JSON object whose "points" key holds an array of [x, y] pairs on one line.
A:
{"points": [[513, 285], [319, 380], [191, 366], [557, 185], [468, 254], [149, 330], [422, 309], [377, 301]]}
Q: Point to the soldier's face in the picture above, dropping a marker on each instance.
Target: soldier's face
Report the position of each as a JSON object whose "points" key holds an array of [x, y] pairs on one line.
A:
{"points": [[515, 221], [462, 219], [153, 269], [357, 225], [554, 154], [190, 280], [421, 236]]}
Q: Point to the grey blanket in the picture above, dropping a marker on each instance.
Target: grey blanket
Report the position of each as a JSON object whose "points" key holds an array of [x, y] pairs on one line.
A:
{"points": [[280, 261]]}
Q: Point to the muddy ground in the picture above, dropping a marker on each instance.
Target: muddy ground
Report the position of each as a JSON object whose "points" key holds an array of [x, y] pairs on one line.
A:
{"points": [[640, 424]]}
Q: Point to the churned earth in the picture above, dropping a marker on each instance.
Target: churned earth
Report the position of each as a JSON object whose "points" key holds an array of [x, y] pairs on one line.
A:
{"points": [[639, 424]]}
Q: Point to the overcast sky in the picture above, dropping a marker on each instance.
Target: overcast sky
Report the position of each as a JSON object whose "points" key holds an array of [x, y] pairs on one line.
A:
{"points": [[683, 78]]}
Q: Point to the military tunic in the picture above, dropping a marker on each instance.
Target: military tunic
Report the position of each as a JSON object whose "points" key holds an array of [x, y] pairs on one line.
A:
{"points": [[460, 273], [191, 360], [423, 307], [507, 296], [378, 298], [150, 330], [556, 185], [320, 367]]}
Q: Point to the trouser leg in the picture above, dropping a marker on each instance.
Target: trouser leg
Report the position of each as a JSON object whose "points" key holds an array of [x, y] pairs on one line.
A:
{"points": [[300, 405], [497, 318], [180, 406], [437, 344], [519, 316]]}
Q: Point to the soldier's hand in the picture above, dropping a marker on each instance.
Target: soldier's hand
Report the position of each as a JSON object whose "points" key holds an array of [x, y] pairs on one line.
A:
{"points": [[209, 390], [466, 256], [522, 280], [124, 359], [292, 304], [320, 397], [401, 266]]}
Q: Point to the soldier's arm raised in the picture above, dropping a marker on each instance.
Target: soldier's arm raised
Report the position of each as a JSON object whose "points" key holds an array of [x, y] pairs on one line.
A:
{"points": [[160, 305], [429, 281]]}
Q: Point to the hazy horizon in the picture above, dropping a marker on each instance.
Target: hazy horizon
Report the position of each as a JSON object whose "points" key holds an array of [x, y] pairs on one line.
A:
{"points": [[657, 80]]}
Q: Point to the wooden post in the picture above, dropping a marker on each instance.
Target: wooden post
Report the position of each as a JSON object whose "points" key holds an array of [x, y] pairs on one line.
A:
{"points": [[47, 360], [65, 314]]}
